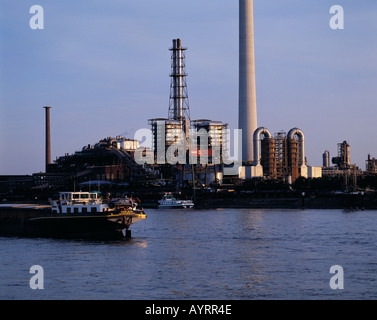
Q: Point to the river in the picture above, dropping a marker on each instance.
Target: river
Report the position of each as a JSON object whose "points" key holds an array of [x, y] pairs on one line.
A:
{"points": [[223, 254]]}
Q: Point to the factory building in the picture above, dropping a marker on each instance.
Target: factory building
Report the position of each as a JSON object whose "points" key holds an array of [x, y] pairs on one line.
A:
{"points": [[111, 159], [341, 163], [208, 147], [110, 162], [204, 142], [343, 160], [174, 130], [165, 134], [281, 156], [11, 183], [212, 149], [371, 165], [189, 149], [278, 157]]}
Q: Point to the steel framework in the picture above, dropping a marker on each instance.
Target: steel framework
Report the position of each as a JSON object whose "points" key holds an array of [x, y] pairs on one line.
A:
{"points": [[178, 102]]}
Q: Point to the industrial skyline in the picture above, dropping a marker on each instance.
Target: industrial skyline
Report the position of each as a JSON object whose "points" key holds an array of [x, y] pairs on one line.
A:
{"points": [[104, 71]]}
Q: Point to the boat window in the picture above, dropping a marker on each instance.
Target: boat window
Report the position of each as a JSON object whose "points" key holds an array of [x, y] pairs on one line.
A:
{"points": [[66, 196], [84, 210], [93, 209], [93, 196], [84, 196], [68, 210], [76, 210], [76, 196]]}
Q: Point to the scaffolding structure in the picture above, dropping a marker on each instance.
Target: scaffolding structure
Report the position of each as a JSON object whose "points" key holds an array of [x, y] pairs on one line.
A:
{"points": [[343, 159], [176, 140], [344, 154], [268, 157], [281, 154], [293, 159], [178, 102], [174, 129]]}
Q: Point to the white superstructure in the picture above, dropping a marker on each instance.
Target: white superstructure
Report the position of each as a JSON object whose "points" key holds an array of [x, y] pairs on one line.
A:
{"points": [[80, 202], [168, 201]]}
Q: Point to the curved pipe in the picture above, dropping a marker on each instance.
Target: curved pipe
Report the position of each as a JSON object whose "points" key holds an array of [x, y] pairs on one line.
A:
{"points": [[256, 139], [301, 139]]}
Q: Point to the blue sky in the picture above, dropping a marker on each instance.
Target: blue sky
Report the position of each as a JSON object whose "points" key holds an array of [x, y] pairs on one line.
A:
{"points": [[104, 67]]}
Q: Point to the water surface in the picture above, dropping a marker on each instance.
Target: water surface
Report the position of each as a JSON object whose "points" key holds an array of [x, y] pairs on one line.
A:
{"points": [[205, 254]]}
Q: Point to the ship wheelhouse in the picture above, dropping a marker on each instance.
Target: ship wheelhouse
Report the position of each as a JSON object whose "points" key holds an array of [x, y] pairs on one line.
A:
{"points": [[79, 202]]}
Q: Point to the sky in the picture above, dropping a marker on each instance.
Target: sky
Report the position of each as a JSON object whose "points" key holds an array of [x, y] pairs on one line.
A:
{"points": [[104, 68]]}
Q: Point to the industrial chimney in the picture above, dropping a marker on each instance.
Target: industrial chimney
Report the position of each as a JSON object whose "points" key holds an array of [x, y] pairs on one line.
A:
{"points": [[247, 94], [48, 137]]}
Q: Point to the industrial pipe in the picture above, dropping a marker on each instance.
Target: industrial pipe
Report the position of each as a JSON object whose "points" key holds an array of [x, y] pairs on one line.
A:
{"points": [[256, 142], [301, 139]]}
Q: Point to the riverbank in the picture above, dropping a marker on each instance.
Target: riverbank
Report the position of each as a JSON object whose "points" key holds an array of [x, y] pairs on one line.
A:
{"points": [[284, 201]]}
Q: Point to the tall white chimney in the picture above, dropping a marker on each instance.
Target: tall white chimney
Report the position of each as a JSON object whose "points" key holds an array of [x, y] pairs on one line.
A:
{"points": [[247, 120]]}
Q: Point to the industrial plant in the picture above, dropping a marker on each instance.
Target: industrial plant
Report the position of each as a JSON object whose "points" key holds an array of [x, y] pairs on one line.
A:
{"points": [[187, 155]]}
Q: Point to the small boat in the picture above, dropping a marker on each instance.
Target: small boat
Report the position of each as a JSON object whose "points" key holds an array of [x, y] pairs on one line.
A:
{"points": [[168, 201]]}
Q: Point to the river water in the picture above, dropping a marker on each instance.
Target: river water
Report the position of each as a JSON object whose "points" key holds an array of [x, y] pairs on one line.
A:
{"points": [[205, 254]]}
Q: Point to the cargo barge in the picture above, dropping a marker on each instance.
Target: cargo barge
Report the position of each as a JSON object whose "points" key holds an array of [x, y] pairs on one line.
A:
{"points": [[76, 215]]}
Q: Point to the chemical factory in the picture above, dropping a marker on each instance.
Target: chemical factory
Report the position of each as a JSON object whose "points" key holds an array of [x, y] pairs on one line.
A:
{"points": [[190, 155]]}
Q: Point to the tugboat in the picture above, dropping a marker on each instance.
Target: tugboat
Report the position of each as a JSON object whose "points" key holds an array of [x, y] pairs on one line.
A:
{"points": [[78, 215], [168, 201]]}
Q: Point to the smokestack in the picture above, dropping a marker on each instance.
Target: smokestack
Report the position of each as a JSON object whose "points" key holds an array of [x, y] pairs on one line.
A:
{"points": [[48, 137], [247, 120]]}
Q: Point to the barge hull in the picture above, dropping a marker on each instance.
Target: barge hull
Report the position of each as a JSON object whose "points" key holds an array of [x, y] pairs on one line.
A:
{"points": [[39, 222]]}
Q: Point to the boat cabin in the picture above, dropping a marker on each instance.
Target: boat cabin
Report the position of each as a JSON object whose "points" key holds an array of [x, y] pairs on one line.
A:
{"points": [[79, 202], [79, 197]]}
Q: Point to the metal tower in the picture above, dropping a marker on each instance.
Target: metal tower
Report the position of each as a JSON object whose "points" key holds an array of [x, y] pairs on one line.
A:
{"points": [[178, 103]]}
